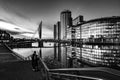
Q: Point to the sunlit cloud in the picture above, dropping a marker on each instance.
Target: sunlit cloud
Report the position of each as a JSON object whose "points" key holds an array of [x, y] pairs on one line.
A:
{"points": [[19, 24], [17, 31], [13, 28]]}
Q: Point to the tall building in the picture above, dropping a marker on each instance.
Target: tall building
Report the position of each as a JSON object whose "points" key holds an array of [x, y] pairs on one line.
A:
{"points": [[66, 22], [57, 31], [40, 30], [58, 25]]}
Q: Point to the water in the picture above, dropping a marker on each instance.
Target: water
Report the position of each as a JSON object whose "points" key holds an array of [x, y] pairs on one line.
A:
{"points": [[56, 56], [62, 56], [26, 52]]}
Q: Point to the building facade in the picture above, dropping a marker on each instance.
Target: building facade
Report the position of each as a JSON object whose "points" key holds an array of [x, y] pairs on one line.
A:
{"points": [[57, 31], [4, 37], [102, 38], [66, 22]]}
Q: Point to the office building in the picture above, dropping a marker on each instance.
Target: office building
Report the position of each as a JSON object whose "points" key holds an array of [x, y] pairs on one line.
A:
{"points": [[66, 22], [102, 38], [57, 31]]}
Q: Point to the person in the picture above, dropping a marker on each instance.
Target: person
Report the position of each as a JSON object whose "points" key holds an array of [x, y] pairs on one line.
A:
{"points": [[35, 61]]}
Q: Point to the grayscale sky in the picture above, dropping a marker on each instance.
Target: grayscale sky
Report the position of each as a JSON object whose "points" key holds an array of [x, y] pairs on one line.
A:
{"points": [[29, 13]]}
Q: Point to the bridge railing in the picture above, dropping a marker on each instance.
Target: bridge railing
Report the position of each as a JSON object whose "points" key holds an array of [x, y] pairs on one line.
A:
{"points": [[69, 76], [62, 74]]}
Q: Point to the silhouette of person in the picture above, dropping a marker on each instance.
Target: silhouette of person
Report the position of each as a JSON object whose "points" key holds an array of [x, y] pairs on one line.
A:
{"points": [[35, 61]]}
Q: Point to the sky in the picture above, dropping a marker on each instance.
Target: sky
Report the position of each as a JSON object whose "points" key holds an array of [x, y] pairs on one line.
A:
{"points": [[28, 13]]}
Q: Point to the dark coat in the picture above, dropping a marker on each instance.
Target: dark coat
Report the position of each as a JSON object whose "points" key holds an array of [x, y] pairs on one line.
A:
{"points": [[34, 60]]}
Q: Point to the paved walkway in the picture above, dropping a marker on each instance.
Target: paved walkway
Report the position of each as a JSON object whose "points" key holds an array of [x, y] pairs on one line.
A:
{"points": [[6, 55], [18, 71], [11, 68]]}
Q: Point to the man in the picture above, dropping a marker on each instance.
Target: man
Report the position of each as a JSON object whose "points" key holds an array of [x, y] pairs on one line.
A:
{"points": [[35, 61]]}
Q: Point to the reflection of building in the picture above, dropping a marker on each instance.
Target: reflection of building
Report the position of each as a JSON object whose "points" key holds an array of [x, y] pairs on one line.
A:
{"points": [[66, 22], [103, 38]]}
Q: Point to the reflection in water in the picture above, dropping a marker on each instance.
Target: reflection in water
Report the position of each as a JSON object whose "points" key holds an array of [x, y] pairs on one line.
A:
{"points": [[58, 55], [61, 55], [105, 55], [26, 52]]}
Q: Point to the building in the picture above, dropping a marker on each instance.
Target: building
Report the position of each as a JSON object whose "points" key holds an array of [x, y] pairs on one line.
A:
{"points": [[77, 30], [78, 20], [66, 22], [102, 38], [57, 31], [4, 37]]}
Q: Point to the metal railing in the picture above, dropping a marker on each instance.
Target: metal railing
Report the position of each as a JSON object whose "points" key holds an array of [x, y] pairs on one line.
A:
{"points": [[62, 74], [19, 57]]}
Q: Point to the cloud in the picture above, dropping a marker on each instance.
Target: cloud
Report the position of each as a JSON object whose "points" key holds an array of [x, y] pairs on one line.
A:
{"points": [[14, 16]]}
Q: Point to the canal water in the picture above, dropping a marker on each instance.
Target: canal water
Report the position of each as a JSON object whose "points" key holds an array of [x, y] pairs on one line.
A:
{"points": [[57, 56], [66, 56]]}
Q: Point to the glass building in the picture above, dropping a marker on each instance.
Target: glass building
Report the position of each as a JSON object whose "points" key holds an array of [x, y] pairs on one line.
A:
{"points": [[101, 38], [66, 22], [57, 31]]}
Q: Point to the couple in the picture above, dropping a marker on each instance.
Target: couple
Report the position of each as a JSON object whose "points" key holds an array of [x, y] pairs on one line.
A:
{"points": [[35, 61]]}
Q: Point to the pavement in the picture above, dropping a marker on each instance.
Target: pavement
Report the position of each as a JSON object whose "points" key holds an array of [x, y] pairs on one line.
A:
{"points": [[6, 55], [11, 68], [18, 70]]}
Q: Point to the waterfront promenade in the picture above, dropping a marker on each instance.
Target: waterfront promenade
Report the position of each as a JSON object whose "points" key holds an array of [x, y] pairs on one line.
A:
{"points": [[6, 55], [11, 68], [18, 70]]}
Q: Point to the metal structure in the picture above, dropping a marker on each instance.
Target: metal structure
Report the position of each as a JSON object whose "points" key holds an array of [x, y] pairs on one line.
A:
{"points": [[78, 73]]}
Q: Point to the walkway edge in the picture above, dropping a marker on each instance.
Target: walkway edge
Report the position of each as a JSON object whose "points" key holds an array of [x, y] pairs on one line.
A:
{"points": [[14, 53]]}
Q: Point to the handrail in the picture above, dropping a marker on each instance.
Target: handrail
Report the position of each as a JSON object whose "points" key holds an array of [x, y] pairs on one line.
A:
{"points": [[69, 76], [50, 74], [45, 66], [88, 71], [14, 53]]}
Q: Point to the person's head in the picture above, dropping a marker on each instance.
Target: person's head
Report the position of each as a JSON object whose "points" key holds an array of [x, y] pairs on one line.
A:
{"points": [[34, 53]]}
